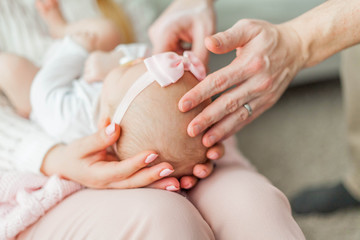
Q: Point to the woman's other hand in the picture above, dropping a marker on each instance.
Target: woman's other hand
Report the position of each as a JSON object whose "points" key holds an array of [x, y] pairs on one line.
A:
{"points": [[267, 58], [184, 21], [87, 162]]}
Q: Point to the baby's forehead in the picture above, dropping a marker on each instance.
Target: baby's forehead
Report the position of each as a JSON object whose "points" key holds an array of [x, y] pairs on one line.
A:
{"points": [[130, 73], [120, 88], [121, 78]]}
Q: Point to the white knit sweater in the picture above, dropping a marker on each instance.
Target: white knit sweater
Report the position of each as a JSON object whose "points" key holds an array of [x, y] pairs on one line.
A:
{"points": [[22, 144]]}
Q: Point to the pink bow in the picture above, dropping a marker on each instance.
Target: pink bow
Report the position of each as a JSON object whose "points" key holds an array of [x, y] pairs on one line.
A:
{"points": [[168, 67]]}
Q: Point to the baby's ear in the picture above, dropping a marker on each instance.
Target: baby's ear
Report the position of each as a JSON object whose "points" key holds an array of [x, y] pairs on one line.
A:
{"points": [[104, 122]]}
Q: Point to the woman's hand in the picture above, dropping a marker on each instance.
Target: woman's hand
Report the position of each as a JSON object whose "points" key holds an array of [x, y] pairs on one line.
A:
{"points": [[187, 21], [87, 162], [203, 170], [267, 58]]}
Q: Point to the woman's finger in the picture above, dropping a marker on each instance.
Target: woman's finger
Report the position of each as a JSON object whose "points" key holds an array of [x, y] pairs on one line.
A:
{"points": [[200, 32], [99, 141], [216, 151], [188, 182], [111, 158], [169, 184], [213, 84], [225, 126], [242, 68], [119, 170], [236, 36], [143, 177], [227, 103], [203, 170]]}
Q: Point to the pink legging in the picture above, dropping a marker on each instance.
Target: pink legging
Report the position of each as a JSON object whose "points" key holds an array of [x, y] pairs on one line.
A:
{"points": [[235, 202]]}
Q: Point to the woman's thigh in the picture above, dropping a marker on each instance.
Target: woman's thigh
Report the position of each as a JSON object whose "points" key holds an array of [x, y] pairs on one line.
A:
{"points": [[121, 214], [239, 203]]}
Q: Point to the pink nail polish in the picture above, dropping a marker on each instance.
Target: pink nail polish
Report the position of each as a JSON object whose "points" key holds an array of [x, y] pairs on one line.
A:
{"points": [[110, 129], [151, 158], [166, 172], [172, 188]]}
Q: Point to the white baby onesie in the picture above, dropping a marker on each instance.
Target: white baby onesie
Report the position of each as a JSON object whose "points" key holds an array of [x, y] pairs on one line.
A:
{"points": [[63, 104]]}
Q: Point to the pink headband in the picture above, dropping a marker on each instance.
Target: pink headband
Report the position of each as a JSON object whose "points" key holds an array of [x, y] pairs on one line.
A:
{"points": [[164, 68]]}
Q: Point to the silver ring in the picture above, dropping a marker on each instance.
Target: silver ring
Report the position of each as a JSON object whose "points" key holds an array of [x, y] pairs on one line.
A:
{"points": [[248, 108]]}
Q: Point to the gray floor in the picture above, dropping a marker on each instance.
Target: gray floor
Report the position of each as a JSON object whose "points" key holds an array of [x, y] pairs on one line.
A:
{"points": [[302, 143]]}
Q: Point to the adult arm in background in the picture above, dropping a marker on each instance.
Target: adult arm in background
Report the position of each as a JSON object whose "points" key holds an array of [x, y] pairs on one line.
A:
{"points": [[267, 58], [184, 21]]}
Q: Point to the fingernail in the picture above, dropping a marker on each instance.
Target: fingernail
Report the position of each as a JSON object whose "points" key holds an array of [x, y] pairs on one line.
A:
{"points": [[186, 186], [186, 106], [213, 155], [211, 140], [202, 174], [110, 129], [166, 172], [216, 41], [151, 158], [196, 129], [172, 188]]}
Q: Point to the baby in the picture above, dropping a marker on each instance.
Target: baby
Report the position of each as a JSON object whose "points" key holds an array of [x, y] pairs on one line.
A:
{"points": [[141, 96]]}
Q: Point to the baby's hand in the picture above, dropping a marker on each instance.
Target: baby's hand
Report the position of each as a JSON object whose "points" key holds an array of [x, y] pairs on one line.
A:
{"points": [[85, 39], [99, 64]]}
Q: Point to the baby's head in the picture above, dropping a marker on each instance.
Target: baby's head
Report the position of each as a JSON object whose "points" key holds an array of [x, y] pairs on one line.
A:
{"points": [[153, 121]]}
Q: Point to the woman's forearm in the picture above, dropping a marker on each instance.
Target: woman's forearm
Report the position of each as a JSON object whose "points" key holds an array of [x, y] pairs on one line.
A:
{"points": [[327, 29]]}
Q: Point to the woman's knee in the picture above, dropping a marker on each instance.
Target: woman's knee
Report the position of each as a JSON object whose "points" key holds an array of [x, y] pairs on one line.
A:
{"points": [[172, 216], [149, 214], [121, 214], [246, 199]]}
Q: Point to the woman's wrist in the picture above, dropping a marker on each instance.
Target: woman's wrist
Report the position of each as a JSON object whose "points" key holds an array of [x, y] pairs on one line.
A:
{"points": [[298, 45], [50, 164], [327, 29], [308, 38]]}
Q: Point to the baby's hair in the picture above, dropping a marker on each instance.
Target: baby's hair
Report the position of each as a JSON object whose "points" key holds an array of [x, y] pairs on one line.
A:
{"points": [[153, 122], [116, 13]]}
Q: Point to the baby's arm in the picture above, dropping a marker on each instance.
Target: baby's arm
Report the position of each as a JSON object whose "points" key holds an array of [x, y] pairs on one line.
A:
{"points": [[53, 96], [100, 63]]}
